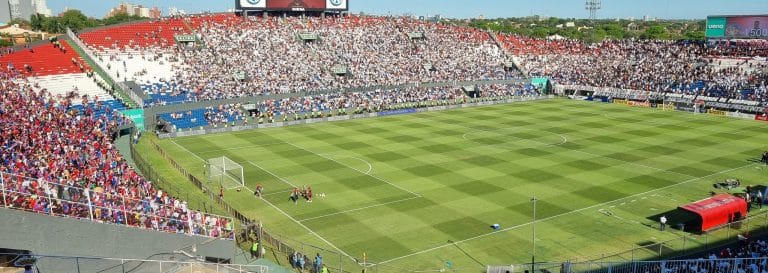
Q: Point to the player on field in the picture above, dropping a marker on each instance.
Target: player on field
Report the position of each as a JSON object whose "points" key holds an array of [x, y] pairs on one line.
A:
{"points": [[259, 189]]}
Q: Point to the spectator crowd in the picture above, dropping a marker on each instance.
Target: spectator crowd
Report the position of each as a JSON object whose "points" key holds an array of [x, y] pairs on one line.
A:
{"points": [[375, 51], [303, 107], [749, 256], [60, 161], [658, 66]]}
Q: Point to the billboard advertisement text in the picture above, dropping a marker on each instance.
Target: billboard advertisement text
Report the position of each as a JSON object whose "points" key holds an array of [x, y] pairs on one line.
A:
{"points": [[737, 27]]}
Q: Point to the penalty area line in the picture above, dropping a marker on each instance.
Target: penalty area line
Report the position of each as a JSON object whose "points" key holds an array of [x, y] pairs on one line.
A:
{"points": [[350, 167], [359, 209], [277, 208], [188, 151]]}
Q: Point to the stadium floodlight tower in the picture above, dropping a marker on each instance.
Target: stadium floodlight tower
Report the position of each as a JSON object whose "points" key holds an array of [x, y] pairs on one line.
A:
{"points": [[593, 6]]}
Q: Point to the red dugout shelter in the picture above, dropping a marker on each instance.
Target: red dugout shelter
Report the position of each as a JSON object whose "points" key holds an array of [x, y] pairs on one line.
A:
{"points": [[717, 210]]}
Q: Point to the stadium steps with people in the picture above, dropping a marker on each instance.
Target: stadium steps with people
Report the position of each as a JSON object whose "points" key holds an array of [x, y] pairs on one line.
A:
{"points": [[45, 60], [62, 84]]}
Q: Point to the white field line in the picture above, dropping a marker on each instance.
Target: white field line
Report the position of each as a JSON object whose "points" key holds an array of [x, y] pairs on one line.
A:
{"points": [[305, 227], [272, 174], [280, 210], [277, 192], [241, 147], [340, 163], [188, 151], [370, 166], [358, 209], [562, 214]]}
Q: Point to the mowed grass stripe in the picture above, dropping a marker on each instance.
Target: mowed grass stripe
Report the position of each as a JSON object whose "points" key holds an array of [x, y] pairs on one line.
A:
{"points": [[467, 186]]}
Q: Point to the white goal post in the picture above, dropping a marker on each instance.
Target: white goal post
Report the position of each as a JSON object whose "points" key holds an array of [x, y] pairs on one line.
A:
{"points": [[226, 172]]}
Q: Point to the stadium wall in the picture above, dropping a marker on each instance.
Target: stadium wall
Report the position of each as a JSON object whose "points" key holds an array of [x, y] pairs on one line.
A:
{"points": [[42, 234]]}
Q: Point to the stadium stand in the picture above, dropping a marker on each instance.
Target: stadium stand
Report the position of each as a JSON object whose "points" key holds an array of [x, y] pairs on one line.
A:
{"points": [[297, 107], [659, 66], [58, 158], [54, 59], [79, 82], [371, 50], [386, 52], [60, 161], [136, 36]]}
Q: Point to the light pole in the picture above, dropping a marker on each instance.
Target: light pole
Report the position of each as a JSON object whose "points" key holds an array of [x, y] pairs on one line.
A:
{"points": [[533, 236]]}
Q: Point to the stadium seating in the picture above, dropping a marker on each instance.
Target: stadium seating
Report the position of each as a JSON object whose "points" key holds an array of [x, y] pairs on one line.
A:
{"points": [[383, 54], [137, 35], [141, 67], [62, 84], [378, 100], [45, 60], [217, 116], [84, 175]]}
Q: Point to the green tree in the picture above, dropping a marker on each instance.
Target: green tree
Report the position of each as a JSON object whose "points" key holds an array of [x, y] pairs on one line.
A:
{"points": [[37, 21], [695, 35], [614, 30], [655, 32], [52, 25], [75, 20], [119, 17]]}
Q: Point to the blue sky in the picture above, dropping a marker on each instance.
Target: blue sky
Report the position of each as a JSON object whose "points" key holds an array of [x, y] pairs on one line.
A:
{"points": [[472, 8]]}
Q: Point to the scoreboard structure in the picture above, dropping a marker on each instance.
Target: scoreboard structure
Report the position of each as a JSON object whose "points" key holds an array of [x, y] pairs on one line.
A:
{"points": [[737, 27], [292, 5]]}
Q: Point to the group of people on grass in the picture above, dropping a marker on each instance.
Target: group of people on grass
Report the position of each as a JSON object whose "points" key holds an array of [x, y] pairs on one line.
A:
{"points": [[301, 262], [304, 193]]}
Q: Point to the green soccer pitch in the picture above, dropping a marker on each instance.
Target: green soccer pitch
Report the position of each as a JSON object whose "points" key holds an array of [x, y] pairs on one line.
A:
{"points": [[414, 191]]}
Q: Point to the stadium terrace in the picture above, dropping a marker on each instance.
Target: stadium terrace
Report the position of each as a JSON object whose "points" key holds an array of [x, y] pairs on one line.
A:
{"points": [[116, 127]]}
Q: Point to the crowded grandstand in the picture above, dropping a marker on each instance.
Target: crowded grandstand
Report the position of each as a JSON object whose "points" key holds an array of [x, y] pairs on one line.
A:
{"points": [[65, 101]]}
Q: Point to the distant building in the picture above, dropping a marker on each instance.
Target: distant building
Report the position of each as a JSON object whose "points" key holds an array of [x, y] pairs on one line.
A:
{"points": [[570, 24], [135, 10], [5, 12], [22, 9], [41, 7]]}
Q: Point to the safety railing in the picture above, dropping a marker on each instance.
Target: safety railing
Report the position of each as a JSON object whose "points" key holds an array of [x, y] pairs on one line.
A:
{"points": [[48, 263], [110, 206]]}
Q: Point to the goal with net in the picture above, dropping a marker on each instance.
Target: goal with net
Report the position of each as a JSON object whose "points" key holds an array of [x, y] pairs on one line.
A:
{"points": [[225, 172]]}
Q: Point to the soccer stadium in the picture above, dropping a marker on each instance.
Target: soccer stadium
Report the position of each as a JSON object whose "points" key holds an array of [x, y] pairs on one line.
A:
{"points": [[306, 136]]}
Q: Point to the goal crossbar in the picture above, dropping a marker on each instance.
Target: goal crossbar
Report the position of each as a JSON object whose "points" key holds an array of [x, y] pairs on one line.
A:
{"points": [[226, 172]]}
